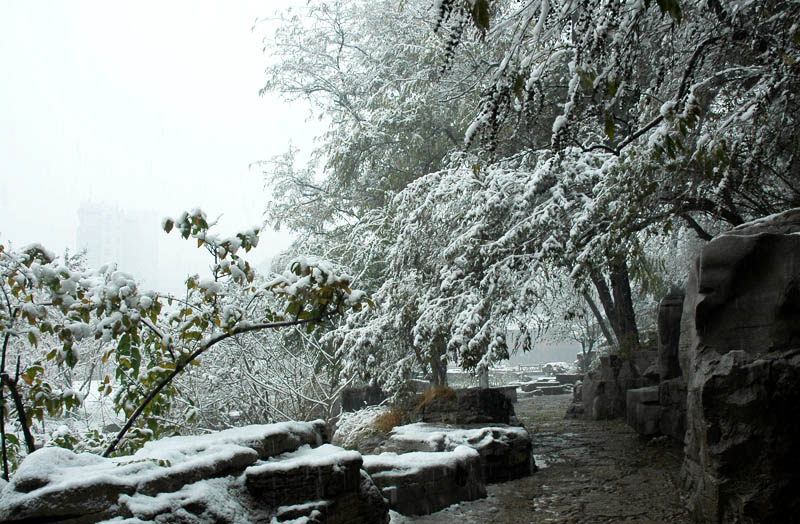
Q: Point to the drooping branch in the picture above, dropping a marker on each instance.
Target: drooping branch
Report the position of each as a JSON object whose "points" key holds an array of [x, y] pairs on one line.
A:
{"points": [[180, 366]]}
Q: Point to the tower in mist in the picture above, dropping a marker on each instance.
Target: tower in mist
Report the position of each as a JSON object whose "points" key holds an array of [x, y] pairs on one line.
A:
{"points": [[111, 235]]}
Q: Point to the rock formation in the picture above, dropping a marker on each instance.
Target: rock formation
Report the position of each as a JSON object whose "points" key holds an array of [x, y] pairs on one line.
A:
{"points": [[465, 406], [419, 483], [604, 389], [505, 451], [661, 409], [740, 352], [275, 472]]}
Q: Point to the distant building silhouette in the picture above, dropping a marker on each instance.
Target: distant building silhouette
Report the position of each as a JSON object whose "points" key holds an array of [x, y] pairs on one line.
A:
{"points": [[111, 235]]}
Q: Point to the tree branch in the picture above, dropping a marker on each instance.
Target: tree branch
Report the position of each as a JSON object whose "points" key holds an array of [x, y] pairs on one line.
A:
{"points": [[701, 233], [30, 443], [180, 366]]}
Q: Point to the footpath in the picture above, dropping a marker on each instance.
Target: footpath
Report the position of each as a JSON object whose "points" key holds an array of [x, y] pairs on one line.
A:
{"points": [[589, 472]]}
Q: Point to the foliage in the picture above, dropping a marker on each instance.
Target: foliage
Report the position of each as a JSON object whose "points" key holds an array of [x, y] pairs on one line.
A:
{"points": [[152, 338], [602, 135]]}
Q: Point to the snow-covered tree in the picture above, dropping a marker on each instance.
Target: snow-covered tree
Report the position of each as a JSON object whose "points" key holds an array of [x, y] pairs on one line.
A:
{"points": [[47, 307], [602, 129]]}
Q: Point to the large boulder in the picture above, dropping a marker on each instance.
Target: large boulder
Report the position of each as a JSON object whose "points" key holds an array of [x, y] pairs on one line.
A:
{"points": [[505, 451], [740, 352], [353, 399], [465, 406], [420, 483], [604, 389]]}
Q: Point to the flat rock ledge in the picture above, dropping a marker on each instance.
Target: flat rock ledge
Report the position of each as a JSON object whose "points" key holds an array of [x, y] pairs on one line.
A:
{"points": [[422, 482], [265, 473], [505, 451]]}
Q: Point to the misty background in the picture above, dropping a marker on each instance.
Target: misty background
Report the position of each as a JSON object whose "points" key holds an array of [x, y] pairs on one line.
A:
{"points": [[136, 111]]}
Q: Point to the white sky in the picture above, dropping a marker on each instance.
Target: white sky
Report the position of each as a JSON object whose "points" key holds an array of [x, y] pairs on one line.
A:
{"points": [[151, 106]]}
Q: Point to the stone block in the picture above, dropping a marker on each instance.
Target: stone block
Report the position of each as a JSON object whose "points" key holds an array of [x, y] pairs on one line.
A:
{"points": [[505, 451], [307, 474], [646, 419], [673, 423], [420, 483], [672, 393], [648, 395], [466, 406], [669, 329]]}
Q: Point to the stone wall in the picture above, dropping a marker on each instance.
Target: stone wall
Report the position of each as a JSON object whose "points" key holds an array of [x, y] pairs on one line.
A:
{"points": [[420, 482], [740, 354]]}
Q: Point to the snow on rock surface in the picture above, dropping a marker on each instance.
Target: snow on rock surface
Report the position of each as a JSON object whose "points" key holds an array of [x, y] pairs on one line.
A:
{"points": [[186, 479], [420, 483], [505, 451]]}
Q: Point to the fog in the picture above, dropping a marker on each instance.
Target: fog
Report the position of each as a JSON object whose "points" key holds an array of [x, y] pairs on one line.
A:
{"points": [[148, 108]]}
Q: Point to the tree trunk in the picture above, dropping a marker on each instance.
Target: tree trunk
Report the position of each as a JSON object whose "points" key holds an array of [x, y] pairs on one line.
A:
{"points": [[483, 377], [618, 306], [600, 320], [628, 333], [438, 364]]}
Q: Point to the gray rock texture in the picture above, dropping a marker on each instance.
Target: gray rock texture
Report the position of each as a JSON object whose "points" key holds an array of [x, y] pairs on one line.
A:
{"points": [[505, 451], [644, 411], [465, 406], [420, 483], [661, 409], [740, 352], [604, 389]]}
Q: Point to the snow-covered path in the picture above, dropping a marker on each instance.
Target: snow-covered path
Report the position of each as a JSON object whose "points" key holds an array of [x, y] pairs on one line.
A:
{"points": [[591, 472]]}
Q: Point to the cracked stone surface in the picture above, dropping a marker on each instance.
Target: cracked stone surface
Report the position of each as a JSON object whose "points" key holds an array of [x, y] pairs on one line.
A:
{"points": [[590, 472]]}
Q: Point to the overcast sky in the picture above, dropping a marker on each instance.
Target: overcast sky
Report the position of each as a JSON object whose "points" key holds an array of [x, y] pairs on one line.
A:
{"points": [[149, 106]]}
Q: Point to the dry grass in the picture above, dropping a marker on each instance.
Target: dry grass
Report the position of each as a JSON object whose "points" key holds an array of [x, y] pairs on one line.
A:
{"points": [[439, 393], [387, 421]]}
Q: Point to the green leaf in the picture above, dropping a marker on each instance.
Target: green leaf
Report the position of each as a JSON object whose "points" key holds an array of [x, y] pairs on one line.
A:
{"points": [[168, 225], [519, 83], [136, 360], [587, 79], [480, 14], [609, 128], [124, 346]]}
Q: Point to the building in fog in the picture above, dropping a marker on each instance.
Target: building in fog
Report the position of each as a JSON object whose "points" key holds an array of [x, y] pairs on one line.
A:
{"points": [[111, 235]]}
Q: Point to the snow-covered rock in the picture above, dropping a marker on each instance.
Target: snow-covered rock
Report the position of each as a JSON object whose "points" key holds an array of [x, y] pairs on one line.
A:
{"points": [[505, 451], [420, 483], [208, 478]]}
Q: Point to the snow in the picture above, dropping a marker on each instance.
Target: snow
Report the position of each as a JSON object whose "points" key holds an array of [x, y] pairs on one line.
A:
{"points": [[58, 469], [559, 123], [667, 109], [415, 461], [212, 493], [306, 457], [441, 437]]}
